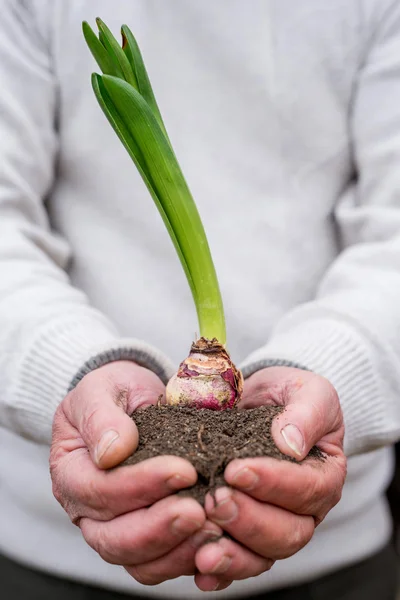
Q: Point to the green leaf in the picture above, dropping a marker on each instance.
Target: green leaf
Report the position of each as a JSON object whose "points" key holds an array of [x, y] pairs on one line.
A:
{"points": [[116, 53], [117, 123], [134, 152], [100, 54], [132, 51]]}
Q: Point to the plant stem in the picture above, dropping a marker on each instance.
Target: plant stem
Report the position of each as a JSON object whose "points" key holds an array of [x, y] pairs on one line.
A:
{"points": [[125, 95]]}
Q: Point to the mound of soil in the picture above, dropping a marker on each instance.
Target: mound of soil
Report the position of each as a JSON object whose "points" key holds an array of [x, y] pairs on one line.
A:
{"points": [[208, 439]]}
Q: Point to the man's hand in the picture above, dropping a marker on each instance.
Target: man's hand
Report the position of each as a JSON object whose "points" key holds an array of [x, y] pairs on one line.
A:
{"points": [[127, 514], [274, 506]]}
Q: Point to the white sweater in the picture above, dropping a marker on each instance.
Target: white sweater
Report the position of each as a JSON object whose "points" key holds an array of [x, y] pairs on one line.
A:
{"points": [[285, 117]]}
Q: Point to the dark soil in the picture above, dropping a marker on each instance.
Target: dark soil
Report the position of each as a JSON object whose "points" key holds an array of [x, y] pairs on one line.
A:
{"points": [[208, 439]]}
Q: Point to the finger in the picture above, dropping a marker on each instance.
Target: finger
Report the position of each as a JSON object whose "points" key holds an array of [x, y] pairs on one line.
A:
{"points": [[86, 491], [98, 408], [178, 562], [310, 488], [228, 559], [312, 416], [98, 413], [146, 534], [267, 530], [210, 583]]}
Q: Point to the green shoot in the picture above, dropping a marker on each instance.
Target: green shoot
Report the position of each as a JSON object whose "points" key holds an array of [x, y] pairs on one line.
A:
{"points": [[126, 97]]}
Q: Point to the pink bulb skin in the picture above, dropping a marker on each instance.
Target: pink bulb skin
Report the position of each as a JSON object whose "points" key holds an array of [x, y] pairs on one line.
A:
{"points": [[201, 391], [206, 379]]}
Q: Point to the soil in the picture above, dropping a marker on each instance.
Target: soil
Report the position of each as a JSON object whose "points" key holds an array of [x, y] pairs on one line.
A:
{"points": [[209, 439]]}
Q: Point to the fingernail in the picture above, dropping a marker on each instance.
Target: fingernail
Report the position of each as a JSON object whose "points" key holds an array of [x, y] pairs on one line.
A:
{"points": [[245, 479], [204, 536], [222, 566], [106, 440], [177, 482], [226, 509], [184, 526], [293, 438]]}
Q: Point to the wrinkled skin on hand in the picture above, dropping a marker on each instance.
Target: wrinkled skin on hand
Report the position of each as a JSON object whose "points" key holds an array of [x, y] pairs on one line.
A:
{"points": [[131, 516], [128, 515], [273, 507]]}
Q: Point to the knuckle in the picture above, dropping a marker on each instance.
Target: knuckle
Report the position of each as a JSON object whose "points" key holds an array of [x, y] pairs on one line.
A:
{"points": [[334, 493], [261, 567], [73, 510], [327, 494], [317, 501], [100, 542], [301, 534], [334, 498], [312, 495], [146, 576], [317, 491], [70, 506]]}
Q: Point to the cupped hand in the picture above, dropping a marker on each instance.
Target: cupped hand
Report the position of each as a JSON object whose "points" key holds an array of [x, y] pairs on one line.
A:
{"points": [[273, 506], [128, 515]]}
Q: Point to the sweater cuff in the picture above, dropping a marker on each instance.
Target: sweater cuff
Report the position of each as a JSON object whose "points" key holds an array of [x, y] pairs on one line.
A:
{"points": [[336, 350], [249, 368], [57, 358]]}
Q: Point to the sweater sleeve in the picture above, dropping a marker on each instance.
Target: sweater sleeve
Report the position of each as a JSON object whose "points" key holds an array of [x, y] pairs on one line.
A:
{"points": [[350, 332], [49, 334]]}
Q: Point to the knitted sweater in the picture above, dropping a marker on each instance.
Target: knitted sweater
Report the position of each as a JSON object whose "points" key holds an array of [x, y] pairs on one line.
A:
{"points": [[285, 118]]}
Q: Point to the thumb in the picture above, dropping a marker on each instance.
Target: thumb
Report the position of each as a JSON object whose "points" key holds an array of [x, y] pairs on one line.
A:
{"points": [[312, 414], [97, 408]]}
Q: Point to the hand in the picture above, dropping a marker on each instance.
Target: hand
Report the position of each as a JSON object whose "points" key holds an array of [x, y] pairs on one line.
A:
{"points": [[93, 432], [274, 506]]}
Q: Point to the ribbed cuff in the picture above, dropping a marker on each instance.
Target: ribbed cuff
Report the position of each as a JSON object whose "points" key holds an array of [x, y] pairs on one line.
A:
{"points": [[60, 355], [337, 351], [264, 363]]}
